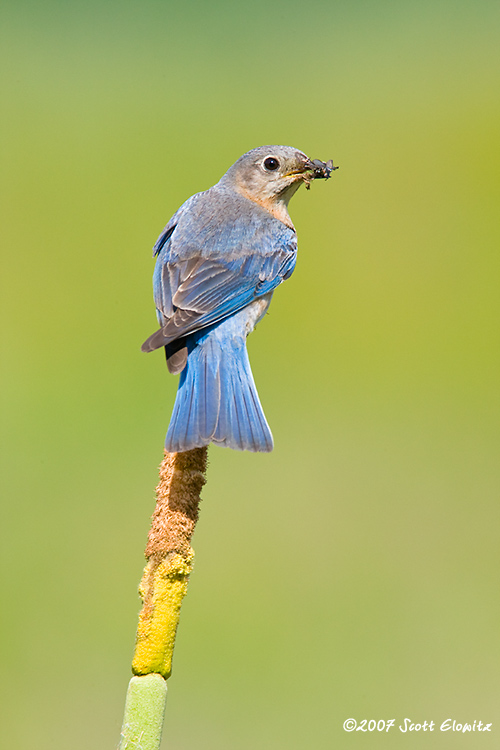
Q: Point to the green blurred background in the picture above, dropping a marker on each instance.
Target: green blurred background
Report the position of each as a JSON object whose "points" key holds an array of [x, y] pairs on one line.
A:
{"points": [[354, 571]]}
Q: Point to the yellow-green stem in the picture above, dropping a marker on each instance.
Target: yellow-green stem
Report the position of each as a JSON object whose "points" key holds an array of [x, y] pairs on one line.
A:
{"points": [[144, 712]]}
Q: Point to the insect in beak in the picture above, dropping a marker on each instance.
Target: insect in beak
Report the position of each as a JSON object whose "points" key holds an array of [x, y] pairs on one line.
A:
{"points": [[318, 170]]}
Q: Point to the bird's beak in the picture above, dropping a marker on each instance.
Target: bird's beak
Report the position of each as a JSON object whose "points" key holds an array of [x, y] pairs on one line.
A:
{"points": [[308, 164], [304, 166]]}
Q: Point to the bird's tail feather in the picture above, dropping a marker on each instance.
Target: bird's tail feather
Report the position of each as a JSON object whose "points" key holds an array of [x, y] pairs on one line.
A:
{"points": [[217, 401]]}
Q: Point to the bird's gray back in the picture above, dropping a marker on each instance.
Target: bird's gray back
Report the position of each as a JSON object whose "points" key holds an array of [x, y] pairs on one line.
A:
{"points": [[221, 222]]}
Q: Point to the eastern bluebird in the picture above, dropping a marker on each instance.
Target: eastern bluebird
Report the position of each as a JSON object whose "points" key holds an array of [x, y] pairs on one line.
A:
{"points": [[220, 258]]}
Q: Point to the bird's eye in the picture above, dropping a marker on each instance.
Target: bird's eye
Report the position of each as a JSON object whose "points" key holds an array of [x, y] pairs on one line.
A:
{"points": [[271, 164]]}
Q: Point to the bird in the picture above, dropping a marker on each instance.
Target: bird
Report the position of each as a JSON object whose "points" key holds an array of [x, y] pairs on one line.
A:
{"points": [[218, 261]]}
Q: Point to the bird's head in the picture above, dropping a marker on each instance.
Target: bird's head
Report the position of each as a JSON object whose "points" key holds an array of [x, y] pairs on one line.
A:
{"points": [[270, 175]]}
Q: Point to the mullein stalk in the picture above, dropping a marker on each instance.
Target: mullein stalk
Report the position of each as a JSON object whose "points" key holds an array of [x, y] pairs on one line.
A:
{"points": [[163, 586]]}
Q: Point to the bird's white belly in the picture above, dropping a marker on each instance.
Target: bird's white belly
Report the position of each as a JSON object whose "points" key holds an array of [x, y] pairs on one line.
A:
{"points": [[256, 310]]}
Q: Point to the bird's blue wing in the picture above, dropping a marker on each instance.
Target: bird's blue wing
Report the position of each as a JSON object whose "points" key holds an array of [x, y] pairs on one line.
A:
{"points": [[193, 291]]}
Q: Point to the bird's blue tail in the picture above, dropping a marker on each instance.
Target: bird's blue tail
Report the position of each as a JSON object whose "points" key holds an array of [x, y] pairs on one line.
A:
{"points": [[217, 401]]}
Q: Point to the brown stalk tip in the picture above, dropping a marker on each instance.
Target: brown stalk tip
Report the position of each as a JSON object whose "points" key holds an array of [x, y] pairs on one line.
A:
{"points": [[182, 475]]}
